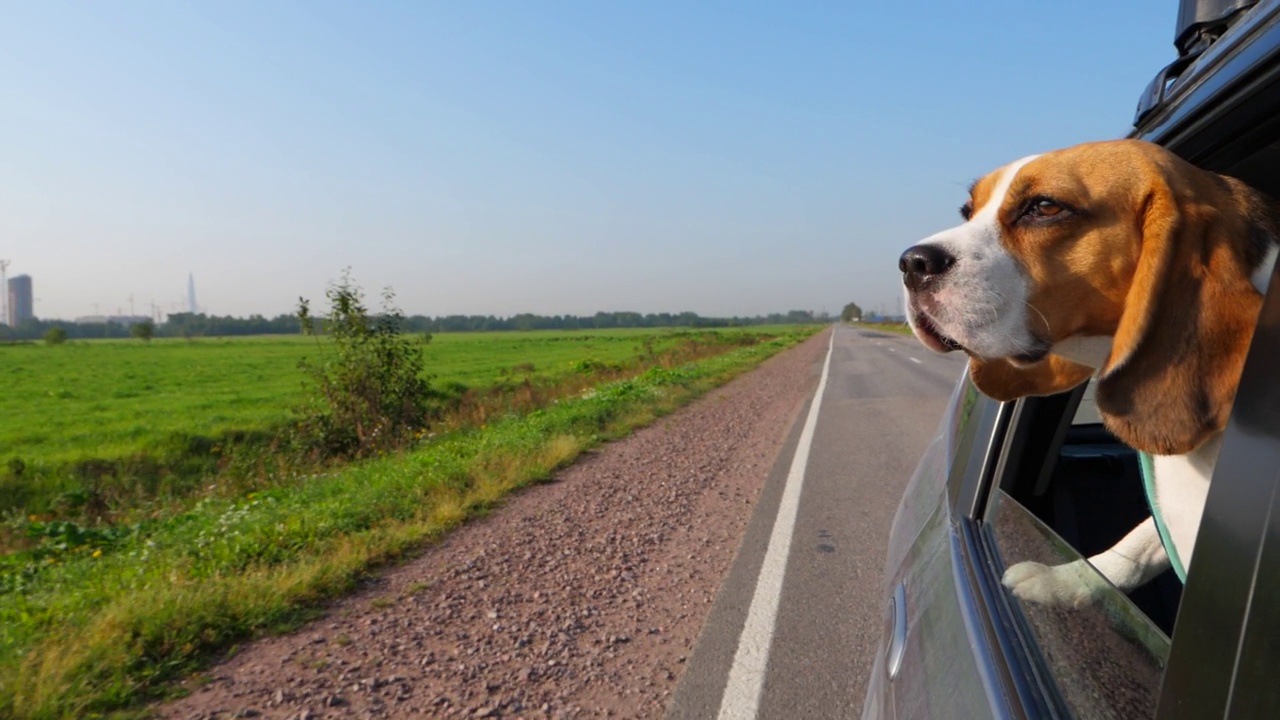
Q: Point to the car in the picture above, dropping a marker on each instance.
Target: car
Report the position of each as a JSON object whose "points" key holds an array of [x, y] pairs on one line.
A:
{"points": [[1042, 479]]}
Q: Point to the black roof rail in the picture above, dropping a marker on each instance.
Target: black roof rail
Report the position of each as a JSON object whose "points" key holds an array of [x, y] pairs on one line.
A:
{"points": [[1200, 22]]}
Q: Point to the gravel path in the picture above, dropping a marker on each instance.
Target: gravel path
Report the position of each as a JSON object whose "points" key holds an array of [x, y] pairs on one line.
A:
{"points": [[578, 598]]}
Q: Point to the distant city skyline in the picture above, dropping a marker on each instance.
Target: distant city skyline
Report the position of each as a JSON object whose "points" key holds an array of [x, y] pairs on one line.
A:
{"points": [[549, 158]]}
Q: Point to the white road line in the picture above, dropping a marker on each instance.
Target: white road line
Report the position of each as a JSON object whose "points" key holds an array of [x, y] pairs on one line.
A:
{"points": [[741, 698], [914, 360], [893, 349]]}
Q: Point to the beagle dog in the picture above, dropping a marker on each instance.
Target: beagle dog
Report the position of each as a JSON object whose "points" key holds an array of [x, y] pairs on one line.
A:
{"points": [[1119, 261]]}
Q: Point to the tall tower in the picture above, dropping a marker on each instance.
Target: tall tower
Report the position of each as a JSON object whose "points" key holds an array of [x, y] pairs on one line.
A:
{"points": [[21, 300], [191, 295], [4, 292]]}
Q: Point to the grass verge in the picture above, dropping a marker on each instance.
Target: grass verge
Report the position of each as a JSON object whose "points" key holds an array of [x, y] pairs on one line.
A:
{"points": [[99, 629]]}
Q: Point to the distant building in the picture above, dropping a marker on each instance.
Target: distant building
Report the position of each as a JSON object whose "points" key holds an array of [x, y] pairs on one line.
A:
{"points": [[21, 300]]}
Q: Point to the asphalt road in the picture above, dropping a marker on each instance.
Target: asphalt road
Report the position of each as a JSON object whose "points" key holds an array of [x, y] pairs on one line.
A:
{"points": [[804, 645]]}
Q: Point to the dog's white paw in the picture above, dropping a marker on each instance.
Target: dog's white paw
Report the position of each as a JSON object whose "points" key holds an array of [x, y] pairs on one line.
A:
{"points": [[1072, 584]]}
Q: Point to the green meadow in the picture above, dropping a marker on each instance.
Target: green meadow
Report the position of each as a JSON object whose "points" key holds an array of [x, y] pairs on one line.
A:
{"points": [[105, 428], [100, 613], [106, 399]]}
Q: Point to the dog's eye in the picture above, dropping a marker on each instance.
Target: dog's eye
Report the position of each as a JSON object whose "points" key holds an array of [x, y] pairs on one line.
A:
{"points": [[966, 210], [1044, 207]]}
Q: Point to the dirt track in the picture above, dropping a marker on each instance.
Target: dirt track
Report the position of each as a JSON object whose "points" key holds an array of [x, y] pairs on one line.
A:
{"points": [[579, 598]]}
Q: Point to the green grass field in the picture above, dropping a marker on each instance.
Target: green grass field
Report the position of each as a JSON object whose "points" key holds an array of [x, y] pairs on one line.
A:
{"points": [[117, 429], [107, 399]]}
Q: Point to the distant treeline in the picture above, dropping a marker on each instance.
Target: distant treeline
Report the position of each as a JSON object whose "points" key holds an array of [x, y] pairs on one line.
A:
{"points": [[201, 325]]}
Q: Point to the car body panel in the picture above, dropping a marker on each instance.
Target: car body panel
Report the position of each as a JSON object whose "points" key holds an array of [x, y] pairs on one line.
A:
{"points": [[946, 668], [1232, 660]]}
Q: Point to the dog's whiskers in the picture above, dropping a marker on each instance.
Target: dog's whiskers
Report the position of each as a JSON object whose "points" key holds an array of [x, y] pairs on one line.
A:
{"points": [[1048, 330]]}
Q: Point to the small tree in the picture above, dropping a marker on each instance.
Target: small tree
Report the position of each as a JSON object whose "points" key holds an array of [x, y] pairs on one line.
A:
{"points": [[144, 330], [851, 313], [55, 336], [369, 389]]}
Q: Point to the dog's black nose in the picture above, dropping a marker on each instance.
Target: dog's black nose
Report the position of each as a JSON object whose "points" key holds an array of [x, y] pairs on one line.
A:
{"points": [[921, 263]]}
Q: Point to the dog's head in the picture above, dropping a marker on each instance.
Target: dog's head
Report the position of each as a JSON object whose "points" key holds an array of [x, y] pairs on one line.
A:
{"points": [[1121, 243]]}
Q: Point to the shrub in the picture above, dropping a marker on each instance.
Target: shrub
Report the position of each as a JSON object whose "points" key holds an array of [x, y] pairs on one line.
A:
{"points": [[369, 393], [144, 330], [55, 336]]}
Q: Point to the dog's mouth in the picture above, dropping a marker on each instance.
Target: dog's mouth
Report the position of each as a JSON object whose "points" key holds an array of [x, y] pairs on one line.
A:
{"points": [[932, 337]]}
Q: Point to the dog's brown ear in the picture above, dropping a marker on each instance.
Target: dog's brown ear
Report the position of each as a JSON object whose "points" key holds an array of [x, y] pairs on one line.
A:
{"points": [[1004, 381], [1189, 313]]}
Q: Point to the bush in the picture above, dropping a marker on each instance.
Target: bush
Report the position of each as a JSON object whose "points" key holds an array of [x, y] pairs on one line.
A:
{"points": [[369, 393], [55, 336], [144, 330]]}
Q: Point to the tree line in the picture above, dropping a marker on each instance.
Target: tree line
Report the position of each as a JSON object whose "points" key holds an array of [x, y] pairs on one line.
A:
{"points": [[189, 325]]}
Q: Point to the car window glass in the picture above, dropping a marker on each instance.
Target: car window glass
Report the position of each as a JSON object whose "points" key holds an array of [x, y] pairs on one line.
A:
{"points": [[1105, 655]]}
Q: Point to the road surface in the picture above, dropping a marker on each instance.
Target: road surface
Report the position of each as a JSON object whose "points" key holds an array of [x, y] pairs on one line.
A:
{"points": [[794, 628]]}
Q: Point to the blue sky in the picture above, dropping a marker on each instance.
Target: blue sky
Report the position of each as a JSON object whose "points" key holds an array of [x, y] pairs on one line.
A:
{"points": [[494, 158]]}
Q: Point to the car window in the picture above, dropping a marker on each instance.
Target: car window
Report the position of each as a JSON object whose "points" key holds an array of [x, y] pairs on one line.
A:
{"points": [[1086, 486], [1105, 655]]}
